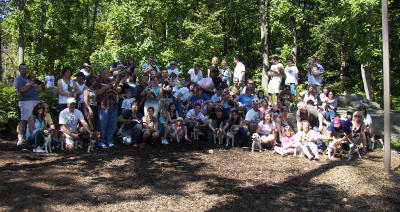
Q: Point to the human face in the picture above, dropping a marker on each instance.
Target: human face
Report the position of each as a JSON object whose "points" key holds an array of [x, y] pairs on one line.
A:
{"points": [[197, 109], [172, 107], [134, 107], [23, 70], [218, 114], [303, 109], [150, 112], [267, 117], [255, 105], [330, 95], [236, 82], [164, 73], [306, 127], [71, 106], [288, 132], [235, 115], [250, 83]]}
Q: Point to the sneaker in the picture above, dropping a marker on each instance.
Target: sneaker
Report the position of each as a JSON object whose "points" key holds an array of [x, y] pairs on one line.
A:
{"points": [[164, 141], [111, 145], [38, 150]]}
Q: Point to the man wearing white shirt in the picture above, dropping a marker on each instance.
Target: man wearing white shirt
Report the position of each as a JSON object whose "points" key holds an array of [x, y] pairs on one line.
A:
{"points": [[195, 116], [291, 73], [240, 70], [195, 73]]}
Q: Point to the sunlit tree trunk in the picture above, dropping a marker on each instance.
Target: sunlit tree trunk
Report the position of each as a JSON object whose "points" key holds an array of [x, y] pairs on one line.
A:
{"points": [[366, 77], [21, 35], [264, 41]]}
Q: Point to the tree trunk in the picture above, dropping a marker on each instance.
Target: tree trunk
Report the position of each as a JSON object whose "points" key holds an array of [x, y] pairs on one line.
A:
{"points": [[343, 63], [295, 47], [1, 52], [366, 77], [264, 41], [21, 35]]}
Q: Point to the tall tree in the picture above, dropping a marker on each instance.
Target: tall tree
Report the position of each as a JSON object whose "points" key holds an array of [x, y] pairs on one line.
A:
{"points": [[264, 5]]}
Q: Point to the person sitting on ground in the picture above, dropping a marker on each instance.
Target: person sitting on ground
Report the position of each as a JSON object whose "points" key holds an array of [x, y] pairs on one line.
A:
{"points": [[245, 100], [253, 117], [150, 126], [310, 114], [217, 121], [267, 131], [237, 126], [289, 143], [180, 130], [264, 108], [165, 126], [329, 107], [131, 129], [69, 119], [358, 132], [173, 113], [37, 128], [309, 139]]}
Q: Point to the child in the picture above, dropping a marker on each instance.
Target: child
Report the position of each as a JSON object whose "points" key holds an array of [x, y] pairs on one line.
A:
{"points": [[127, 103], [290, 144], [180, 130], [226, 72], [165, 125]]}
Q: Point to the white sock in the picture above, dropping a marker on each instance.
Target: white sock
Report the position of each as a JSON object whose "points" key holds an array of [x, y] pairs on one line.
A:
{"points": [[20, 139]]}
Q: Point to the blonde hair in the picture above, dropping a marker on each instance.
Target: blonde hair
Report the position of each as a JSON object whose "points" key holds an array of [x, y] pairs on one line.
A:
{"points": [[359, 114], [289, 128], [214, 60]]}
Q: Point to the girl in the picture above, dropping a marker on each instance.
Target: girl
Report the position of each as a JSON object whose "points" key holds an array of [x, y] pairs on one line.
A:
{"points": [[290, 143], [180, 130], [267, 130], [358, 132], [164, 126], [173, 113]]}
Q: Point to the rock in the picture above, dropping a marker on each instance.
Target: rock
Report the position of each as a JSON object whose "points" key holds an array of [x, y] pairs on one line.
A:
{"points": [[210, 151], [374, 105], [356, 103]]}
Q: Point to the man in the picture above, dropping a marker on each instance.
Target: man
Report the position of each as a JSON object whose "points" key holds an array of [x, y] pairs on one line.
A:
{"points": [[68, 120], [314, 74], [85, 69], [291, 75], [199, 97], [195, 73], [195, 115], [235, 89], [246, 99], [28, 89], [276, 77], [173, 68], [150, 66], [240, 70], [310, 114], [120, 65], [217, 97], [250, 84], [253, 117], [337, 125]]}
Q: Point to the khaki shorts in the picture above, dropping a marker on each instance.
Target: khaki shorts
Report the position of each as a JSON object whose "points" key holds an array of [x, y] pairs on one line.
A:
{"points": [[26, 108]]}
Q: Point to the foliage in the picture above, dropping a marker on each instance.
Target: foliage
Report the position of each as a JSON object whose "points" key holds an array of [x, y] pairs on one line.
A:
{"points": [[9, 111]]}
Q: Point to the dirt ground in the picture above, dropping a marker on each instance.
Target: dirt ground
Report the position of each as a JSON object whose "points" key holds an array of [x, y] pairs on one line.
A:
{"points": [[191, 177]]}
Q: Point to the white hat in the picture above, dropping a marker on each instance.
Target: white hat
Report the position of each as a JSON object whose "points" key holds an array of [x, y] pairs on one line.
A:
{"points": [[71, 100], [86, 65]]}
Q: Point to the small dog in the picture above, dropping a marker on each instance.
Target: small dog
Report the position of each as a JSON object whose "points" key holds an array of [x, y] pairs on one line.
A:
{"points": [[93, 139], [47, 140], [256, 142], [335, 147], [218, 136], [196, 132], [230, 136], [353, 144]]}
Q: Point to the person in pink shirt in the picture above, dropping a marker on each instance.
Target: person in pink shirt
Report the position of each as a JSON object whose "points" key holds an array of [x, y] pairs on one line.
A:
{"points": [[290, 144], [267, 131], [264, 108]]}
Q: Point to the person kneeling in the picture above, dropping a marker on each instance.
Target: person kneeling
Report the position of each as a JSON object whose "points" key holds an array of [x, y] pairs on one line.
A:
{"points": [[69, 118]]}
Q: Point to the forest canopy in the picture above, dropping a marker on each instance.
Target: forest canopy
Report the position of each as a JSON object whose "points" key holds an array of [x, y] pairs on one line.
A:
{"points": [[344, 35]]}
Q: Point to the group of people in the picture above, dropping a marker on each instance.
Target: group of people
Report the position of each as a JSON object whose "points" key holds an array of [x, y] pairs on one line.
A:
{"points": [[150, 104]]}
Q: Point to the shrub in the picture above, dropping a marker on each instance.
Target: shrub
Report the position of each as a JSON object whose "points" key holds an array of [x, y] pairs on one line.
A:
{"points": [[9, 110]]}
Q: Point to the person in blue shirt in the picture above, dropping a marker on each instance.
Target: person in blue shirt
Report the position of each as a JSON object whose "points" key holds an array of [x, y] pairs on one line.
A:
{"points": [[199, 97], [246, 99]]}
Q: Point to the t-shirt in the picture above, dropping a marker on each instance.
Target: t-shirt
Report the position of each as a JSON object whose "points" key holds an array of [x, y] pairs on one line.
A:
{"points": [[49, 81], [313, 79], [244, 99], [127, 114], [70, 120], [186, 94], [291, 74], [266, 129], [176, 71], [30, 94], [192, 115], [127, 103], [311, 115], [237, 72], [195, 77], [196, 99], [252, 115], [216, 98], [276, 74]]}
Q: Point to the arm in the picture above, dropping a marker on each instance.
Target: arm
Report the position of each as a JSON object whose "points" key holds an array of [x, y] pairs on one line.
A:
{"points": [[86, 126], [65, 130], [60, 90], [86, 101], [31, 124]]}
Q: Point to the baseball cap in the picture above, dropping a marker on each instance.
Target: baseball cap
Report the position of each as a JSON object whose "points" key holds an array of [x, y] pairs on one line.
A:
{"points": [[71, 100]]}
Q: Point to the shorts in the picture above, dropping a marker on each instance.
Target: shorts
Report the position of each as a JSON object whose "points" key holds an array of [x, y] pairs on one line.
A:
{"points": [[26, 108], [273, 85]]}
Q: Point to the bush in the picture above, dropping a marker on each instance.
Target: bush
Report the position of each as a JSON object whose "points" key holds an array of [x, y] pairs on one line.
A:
{"points": [[9, 110]]}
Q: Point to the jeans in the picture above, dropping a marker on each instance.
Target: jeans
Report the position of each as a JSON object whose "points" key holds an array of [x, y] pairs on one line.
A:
{"points": [[329, 115], [131, 135], [108, 125], [36, 139]]}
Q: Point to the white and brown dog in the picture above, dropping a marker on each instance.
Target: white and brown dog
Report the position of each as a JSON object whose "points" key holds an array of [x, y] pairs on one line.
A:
{"points": [[52, 133], [256, 142], [230, 137], [218, 136], [335, 147], [196, 132], [93, 139]]}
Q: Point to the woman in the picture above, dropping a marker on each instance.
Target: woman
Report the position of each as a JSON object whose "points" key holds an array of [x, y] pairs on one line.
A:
{"points": [[66, 88], [226, 73], [131, 129], [236, 125], [267, 131], [369, 130], [358, 131], [261, 96], [90, 103], [311, 94], [80, 85], [153, 96], [329, 107], [213, 70], [173, 113], [264, 108], [150, 126], [37, 128]]}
